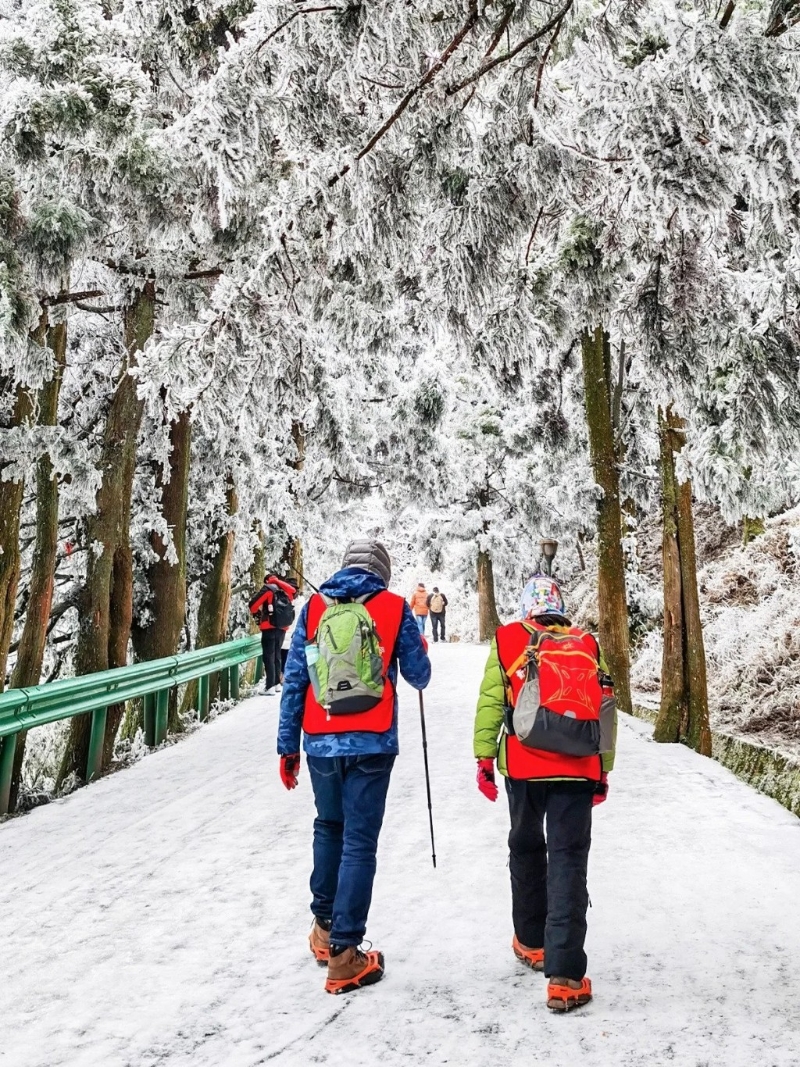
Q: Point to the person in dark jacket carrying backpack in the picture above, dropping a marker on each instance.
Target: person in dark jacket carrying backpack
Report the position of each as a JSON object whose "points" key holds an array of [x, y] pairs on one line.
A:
{"points": [[437, 605], [272, 609], [340, 691], [546, 712]]}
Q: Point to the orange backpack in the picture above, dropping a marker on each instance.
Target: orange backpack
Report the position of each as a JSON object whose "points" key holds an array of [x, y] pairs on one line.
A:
{"points": [[558, 707]]}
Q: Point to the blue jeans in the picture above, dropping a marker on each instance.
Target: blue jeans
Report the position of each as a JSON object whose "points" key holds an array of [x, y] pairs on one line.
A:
{"points": [[350, 795], [421, 620]]}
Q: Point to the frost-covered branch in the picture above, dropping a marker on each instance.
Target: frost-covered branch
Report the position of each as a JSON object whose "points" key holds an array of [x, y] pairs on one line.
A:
{"points": [[526, 42], [415, 90]]}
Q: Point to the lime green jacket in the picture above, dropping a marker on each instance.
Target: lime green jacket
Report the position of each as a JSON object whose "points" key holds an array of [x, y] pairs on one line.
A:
{"points": [[489, 736]]}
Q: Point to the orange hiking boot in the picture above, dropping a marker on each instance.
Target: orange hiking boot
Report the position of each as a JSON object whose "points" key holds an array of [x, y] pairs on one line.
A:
{"points": [[531, 957], [320, 940], [351, 969], [566, 994]]}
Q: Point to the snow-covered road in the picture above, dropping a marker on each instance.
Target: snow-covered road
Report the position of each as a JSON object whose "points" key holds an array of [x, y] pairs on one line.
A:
{"points": [[159, 917]]}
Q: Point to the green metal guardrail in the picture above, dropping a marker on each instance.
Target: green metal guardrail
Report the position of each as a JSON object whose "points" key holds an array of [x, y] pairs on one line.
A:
{"points": [[23, 709]]}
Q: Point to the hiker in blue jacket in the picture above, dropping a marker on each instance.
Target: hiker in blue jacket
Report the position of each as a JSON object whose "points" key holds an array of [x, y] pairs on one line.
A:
{"points": [[350, 759]]}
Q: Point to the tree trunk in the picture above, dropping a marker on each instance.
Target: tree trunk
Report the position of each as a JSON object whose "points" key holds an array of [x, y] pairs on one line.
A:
{"points": [[30, 654], [683, 716], [257, 572], [612, 599], [698, 729], [105, 601], [292, 559], [257, 569], [215, 602], [10, 507], [671, 722], [166, 579], [488, 619]]}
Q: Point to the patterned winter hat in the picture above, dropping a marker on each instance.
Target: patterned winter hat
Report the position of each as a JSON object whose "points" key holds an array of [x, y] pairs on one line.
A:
{"points": [[542, 596]]}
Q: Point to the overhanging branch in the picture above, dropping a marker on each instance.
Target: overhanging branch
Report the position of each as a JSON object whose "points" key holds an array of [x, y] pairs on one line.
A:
{"points": [[526, 42], [415, 90]]}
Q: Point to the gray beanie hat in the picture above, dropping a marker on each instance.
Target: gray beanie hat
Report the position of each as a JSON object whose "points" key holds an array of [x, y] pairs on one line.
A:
{"points": [[371, 555]]}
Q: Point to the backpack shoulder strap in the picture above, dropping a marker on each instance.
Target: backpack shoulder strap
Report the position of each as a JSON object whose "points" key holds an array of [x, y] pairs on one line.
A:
{"points": [[317, 606]]}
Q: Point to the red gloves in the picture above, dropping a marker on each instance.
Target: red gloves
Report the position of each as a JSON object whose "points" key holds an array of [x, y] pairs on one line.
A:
{"points": [[486, 782], [600, 790], [424, 641], [290, 765]]}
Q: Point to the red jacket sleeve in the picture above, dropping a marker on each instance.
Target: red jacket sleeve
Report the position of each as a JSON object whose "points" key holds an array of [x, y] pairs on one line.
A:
{"points": [[257, 604], [290, 590]]}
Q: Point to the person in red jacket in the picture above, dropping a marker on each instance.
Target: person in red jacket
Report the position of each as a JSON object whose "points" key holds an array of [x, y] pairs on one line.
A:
{"points": [[272, 609]]}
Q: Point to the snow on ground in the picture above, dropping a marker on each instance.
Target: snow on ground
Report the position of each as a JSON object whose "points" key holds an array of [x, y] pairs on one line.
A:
{"points": [[159, 917]]}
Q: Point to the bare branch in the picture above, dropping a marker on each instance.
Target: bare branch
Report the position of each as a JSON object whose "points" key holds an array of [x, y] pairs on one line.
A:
{"points": [[102, 310], [533, 235], [195, 275], [728, 14], [543, 64], [526, 42], [71, 298], [383, 85], [415, 90], [782, 16], [501, 29], [293, 16]]}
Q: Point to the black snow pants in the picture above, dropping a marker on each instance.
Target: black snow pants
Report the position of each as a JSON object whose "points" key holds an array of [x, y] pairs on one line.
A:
{"points": [[271, 641], [548, 876], [437, 622]]}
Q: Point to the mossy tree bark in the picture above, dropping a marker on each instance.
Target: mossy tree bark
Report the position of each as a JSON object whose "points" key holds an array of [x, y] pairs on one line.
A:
{"points": [[166, 578], [673, 711], [488, 619], [215, 601], [257, 568], [752, 527], [611, 593], [698, 729], [106, 598], [292, 560], [10, 506], [683, 716], [30, 654], [257, 572]]}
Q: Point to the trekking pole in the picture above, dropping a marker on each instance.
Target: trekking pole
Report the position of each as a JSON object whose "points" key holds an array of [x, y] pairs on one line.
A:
{"points": [[302, 577], [427, 773]]}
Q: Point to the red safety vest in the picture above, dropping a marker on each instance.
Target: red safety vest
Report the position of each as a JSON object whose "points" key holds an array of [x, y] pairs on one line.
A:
{"points": [[521, 761], [386, 610]]}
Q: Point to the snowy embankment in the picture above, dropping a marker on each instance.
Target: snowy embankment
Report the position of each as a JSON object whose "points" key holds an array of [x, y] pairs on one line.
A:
{"points": [[159, 916]]}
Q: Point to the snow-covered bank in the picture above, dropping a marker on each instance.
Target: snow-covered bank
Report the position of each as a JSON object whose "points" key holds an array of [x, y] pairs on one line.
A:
{"points": [[159, 916]]}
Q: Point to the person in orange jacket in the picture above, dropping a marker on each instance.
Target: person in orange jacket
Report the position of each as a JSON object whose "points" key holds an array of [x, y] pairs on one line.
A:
{"points": [[418, 602]]}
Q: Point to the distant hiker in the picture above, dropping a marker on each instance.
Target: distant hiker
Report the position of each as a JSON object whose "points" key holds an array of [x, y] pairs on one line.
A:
{"points": [[546, 712], [288, 634], [272, 609], [418, 602], [437, 605], [340, 688]]}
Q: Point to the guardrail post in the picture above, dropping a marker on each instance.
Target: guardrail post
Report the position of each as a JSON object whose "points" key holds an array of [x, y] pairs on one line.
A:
{"points": [[233, 686], [162, 714], [259, 671], [94, 763], [8, 747], [202, 697], [150, 719]]}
